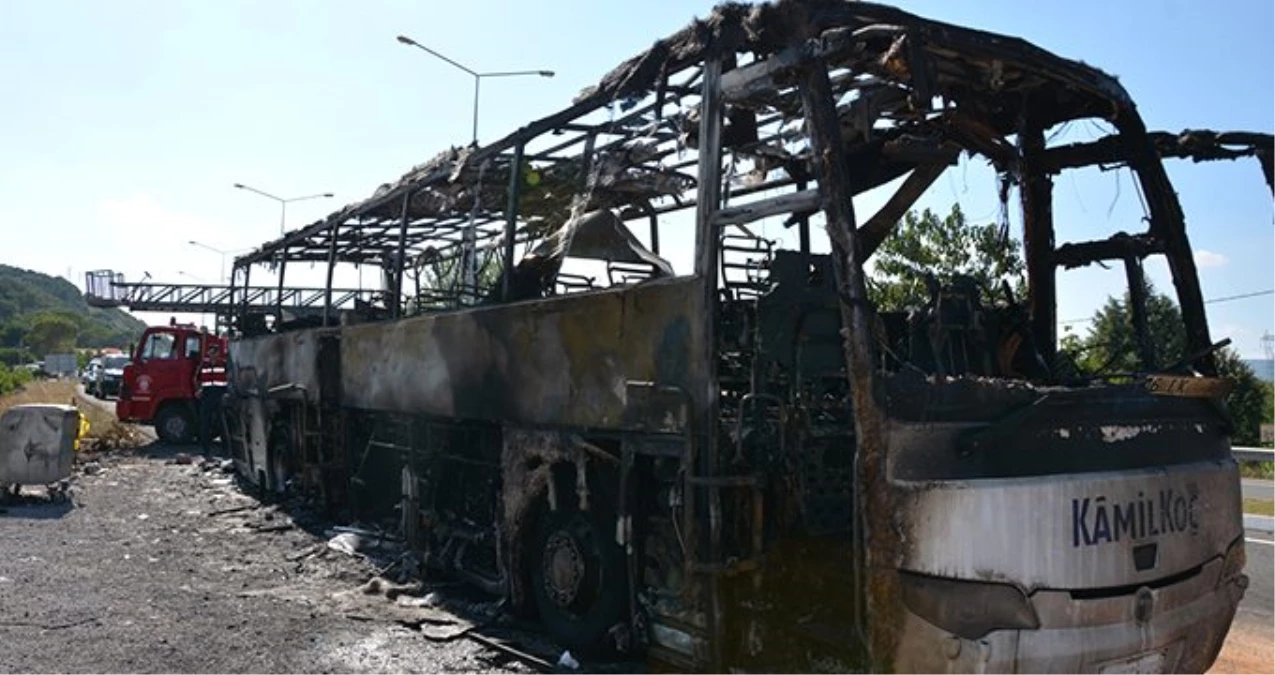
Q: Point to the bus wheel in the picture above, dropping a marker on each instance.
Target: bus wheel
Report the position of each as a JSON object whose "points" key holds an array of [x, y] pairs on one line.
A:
{"points": [[173, 424], [578, 579]]}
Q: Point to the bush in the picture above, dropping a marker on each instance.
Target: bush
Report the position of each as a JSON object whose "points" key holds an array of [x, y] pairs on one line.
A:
{"points": [[1257, 470], [14, 356], [13, 378]]}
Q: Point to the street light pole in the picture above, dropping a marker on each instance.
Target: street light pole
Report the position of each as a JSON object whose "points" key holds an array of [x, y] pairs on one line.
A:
{"points": [[468, 259], [473, 138], [283, 202], [474, 74], [218, 251]]}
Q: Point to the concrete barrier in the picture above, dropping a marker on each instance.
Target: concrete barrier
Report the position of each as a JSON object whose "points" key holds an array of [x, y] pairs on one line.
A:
{"points": [[37, 443]]}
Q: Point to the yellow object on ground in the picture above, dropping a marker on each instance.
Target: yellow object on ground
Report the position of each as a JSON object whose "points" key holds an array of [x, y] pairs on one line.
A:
{"points": [[82, 431]]}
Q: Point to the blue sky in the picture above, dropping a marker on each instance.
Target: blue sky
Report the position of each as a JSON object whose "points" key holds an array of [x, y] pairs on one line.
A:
{"points": [[126, 123]]}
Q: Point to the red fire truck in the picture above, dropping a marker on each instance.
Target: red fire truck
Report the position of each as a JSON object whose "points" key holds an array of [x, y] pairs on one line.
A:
{"points": [[169, 369]]}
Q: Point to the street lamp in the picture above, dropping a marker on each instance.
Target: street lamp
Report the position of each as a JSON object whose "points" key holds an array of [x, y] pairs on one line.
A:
{"points": [[218, 251], [283, 203], [475, 74]]}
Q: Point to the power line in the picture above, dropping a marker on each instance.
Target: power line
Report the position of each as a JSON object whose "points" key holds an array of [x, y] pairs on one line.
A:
{"points": [[1228, 298], [1241, 296]]}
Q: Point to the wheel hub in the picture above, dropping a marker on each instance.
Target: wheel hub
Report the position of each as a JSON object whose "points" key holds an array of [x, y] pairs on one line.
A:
{"points": [[564, 568]]}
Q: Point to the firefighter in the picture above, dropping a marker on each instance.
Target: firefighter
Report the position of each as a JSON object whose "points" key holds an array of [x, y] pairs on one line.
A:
{"points": [[208, 398]]}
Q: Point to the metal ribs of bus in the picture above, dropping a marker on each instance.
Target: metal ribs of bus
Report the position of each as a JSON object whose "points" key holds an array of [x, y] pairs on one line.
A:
{"points": [[1198, 145], [874, 533]]}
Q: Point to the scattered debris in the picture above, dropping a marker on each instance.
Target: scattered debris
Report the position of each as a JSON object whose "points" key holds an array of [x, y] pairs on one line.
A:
{"points": [[233, 509], [347, 543], [281, 527], [50, 626], [305, 553], [501, 646], [568, 661], [214, 464], [369, 534], [380, 600], [60, 491], [381, 586], [182, 458], [92, 468]]}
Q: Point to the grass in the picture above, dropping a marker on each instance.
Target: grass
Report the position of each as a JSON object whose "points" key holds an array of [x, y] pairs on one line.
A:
{"points": [[1260, 507], [1264, 470], [40, 391]]}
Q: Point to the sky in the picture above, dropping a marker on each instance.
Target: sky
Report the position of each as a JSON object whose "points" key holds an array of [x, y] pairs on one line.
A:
{"points": [[124, 125]]}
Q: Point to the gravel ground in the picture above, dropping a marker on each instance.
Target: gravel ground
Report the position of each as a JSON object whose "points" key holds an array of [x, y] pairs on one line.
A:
{"points": [[134, 575]]}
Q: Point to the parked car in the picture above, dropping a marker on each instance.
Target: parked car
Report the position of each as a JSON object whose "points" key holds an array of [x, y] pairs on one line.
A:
{"points": [[89, 377], [110, 376]]}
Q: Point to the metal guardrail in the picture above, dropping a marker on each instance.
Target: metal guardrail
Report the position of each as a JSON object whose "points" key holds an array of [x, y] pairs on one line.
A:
{"points": [[1246, 454]]}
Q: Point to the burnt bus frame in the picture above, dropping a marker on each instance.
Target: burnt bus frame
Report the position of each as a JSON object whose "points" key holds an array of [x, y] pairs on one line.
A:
{"points": [[793, 56]]}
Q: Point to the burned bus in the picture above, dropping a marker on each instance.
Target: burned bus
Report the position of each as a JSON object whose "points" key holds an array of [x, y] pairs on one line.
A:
{"points": [[744, 463]]}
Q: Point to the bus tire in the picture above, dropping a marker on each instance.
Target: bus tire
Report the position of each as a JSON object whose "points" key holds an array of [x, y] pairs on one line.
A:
{"points": [[578, 578], [173, 424]]}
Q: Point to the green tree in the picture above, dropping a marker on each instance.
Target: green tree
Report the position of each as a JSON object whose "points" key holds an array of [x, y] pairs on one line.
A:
{"points": [[52, 332], [14, 356], [1269, 410], [12, 332], [943, 247], [441, 278], [25, 294], [1247, 401], [1110, 348]]}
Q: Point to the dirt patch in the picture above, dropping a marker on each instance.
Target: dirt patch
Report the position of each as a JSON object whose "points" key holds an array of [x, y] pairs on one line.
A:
{"points": [[1248, 649]]}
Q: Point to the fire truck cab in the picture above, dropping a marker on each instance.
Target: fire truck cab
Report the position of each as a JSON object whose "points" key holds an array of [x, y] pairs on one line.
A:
{"points": [[169, 369]]}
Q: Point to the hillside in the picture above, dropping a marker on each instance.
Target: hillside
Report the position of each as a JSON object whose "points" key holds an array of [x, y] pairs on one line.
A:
{"points": [[24, 294]]}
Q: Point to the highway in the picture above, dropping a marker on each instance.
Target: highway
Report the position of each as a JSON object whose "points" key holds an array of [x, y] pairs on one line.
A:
{"points": [[1256, 488], [1260, 599]]}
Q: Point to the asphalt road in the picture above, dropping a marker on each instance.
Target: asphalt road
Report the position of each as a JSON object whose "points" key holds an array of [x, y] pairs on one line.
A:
{"points": [[1256, 488], [1260, 597]]}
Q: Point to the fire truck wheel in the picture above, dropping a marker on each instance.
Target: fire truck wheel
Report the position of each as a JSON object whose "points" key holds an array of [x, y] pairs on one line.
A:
{"points": [[173, 424], [578, 578]]}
